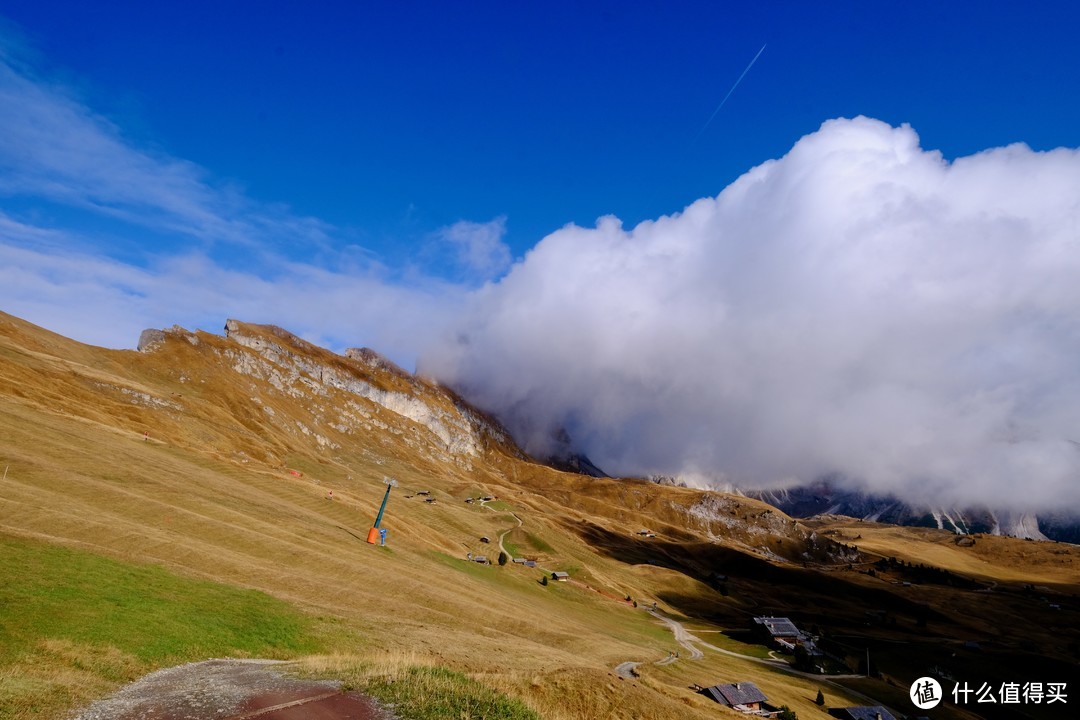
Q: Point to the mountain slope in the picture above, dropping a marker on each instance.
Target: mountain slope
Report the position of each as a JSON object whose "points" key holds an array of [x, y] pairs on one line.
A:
{"points": [[216, 457]]}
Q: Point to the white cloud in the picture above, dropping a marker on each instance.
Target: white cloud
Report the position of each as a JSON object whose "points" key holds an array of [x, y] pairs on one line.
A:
{"points": [[478, 247], [860, 305]]}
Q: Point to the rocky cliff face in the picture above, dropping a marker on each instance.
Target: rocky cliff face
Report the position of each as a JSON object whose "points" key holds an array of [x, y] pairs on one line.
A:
{"points": [[341, 395], [292, 366]]}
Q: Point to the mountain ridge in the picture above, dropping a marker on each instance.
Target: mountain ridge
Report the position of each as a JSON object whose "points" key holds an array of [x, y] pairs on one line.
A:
{"points": [[826, 498]]}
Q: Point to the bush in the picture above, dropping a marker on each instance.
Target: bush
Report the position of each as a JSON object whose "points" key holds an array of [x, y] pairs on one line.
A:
{"points": [[820, 697], [503, 558], [787, 713]]}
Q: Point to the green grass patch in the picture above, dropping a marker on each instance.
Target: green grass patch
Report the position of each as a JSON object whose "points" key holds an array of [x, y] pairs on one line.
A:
{"points": [[74, 624], [53, 592], [538, 543], [434, 693]]}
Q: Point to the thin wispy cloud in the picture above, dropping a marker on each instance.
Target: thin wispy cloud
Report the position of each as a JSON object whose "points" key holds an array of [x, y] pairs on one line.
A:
{"points": [[78, 294], [212, 251], [55, 148]]}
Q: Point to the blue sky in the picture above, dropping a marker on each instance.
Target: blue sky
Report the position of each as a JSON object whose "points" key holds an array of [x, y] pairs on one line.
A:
{"points": [[530, 201], [388, 121]]}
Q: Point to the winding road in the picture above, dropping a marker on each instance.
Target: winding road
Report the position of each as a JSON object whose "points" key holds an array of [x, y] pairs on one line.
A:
{"points": [[682, 636]]}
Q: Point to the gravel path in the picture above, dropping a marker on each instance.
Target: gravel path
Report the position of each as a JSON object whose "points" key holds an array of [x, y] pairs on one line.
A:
{"points": [[681, 635], [231, 690]]}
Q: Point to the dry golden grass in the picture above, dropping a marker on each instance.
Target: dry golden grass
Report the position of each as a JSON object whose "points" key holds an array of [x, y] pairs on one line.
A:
{"points": [[209, 493]]}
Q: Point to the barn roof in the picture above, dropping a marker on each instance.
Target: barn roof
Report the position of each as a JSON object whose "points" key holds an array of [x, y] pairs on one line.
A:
{"points": [[740, 693], [778, 626]]}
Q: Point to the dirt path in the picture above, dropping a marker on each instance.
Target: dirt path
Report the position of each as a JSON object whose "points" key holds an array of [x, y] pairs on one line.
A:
{"points": [[504, 533], [232, 690], [682, 636], [627, 670]]}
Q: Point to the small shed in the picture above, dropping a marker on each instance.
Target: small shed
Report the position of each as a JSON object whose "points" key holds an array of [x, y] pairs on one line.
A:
{"points": [[481, 559], [530, 563], [560, 576], [744, 694], [485, 539]]}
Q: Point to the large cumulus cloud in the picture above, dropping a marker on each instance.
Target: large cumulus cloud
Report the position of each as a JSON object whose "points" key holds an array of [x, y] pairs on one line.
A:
{"points": [[860, 306]]}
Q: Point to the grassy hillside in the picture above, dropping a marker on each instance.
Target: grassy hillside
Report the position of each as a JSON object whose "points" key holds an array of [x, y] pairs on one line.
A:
{"points": [[209, 463], [75, 623]]}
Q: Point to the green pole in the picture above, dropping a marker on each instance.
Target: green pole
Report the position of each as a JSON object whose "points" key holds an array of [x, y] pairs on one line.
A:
{"points": [[383, 508]]}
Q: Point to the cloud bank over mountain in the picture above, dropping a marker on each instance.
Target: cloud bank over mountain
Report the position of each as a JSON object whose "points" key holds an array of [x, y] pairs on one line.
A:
{"points": [[860, 306]]}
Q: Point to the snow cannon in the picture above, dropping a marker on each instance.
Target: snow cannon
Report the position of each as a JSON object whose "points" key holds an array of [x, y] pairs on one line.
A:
{"points": [[373, 536]]}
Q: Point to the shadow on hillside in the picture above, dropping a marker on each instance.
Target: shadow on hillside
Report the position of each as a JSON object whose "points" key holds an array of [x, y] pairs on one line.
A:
{"points": [[339, 527], [742, 585]]}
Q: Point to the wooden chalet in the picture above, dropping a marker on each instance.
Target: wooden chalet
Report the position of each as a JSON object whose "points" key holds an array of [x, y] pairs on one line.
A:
{"points": [[743, 696]]}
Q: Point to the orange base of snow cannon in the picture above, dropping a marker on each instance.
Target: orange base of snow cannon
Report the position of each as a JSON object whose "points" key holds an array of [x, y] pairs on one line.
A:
{"points": [[373, 536]]}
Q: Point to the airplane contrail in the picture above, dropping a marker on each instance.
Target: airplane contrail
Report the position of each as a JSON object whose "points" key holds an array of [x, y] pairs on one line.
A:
{"points": [[702, 130]]}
